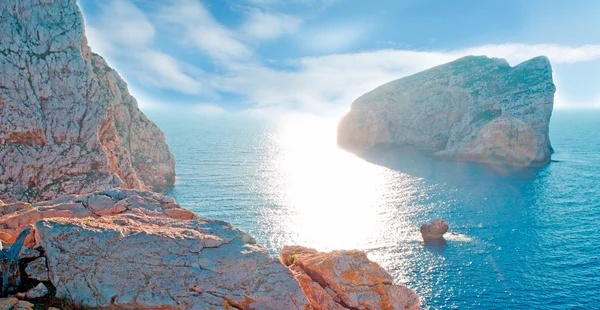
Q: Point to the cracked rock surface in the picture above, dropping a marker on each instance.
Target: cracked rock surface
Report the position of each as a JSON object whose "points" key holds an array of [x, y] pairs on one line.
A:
{"points": [[68, 124], [346, 280], [137, 260], [472, 109]]}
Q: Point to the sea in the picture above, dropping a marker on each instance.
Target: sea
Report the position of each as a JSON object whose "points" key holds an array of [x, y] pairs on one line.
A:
{"points": [[518, 239]]}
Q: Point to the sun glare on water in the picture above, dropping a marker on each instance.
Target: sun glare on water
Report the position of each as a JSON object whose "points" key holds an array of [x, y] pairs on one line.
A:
{"points": [[331, 196]]}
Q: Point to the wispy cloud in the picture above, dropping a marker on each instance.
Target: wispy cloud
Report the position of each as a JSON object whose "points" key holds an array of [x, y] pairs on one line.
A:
{"points": [[124, 35], [333, 82], [333, 38], [201, 30], [266, 26]]}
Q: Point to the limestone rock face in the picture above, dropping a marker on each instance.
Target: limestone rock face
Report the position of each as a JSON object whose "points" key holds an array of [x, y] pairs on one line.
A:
{"points": [[139, 261], [68, 124], [472, 109], [346, 280], [15, 217], [435, 230]]}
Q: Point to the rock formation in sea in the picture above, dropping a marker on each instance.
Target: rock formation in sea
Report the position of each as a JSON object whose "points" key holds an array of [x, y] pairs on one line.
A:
{"points": [[68, 124], [472, 109], [434, 231]]}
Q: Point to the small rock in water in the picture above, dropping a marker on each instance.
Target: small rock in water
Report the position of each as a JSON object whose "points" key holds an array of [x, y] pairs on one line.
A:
{"points": [[435, 230]]}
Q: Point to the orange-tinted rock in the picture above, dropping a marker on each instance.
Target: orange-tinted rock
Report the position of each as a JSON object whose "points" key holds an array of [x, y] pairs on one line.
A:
{"points": [[346, 280], [435, 230], [14, 217]]}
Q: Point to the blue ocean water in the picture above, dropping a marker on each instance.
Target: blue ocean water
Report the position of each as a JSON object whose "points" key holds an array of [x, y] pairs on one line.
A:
{"points": [[524, 240]]}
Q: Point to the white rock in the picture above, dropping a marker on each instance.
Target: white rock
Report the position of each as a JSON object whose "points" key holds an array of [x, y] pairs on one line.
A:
{"points": [[37, 270], [472, 109], [68, 124], [39, 291], [133, 260]]}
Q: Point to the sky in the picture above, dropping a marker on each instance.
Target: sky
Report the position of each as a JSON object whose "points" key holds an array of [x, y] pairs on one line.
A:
{"points": [[320, 55]]}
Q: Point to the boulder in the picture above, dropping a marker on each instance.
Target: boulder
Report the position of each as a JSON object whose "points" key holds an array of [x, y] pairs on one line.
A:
{"points": [[37, 270], [68, 124], [346, 280], [435, 230], [38, 291], [14, 217], [140, 260], [472, 109]]}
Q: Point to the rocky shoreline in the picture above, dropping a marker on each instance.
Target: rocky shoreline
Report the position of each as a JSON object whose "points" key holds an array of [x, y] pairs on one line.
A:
{"points": [[132, 249]]}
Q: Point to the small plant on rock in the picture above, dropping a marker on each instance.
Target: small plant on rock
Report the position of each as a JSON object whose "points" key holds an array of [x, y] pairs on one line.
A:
{"points": [[9, 263]]}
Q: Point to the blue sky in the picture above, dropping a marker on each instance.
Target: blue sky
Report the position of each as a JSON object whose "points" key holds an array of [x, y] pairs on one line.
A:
{"points": [[319, 55]]}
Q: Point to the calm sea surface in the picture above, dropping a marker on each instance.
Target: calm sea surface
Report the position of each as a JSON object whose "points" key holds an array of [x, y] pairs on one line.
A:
{"points": [[528, 240]]}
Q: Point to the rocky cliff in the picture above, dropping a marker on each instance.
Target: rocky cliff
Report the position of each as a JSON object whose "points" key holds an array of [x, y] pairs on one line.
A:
{"points": [[68, 124], [472, 109]]}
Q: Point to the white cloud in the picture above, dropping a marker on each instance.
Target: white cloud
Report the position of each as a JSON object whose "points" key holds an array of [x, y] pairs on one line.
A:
{"points": [[331, 83], [325, 83], [124, 36], [516, 53], [267, 26], [203, 31], [332, 38]]}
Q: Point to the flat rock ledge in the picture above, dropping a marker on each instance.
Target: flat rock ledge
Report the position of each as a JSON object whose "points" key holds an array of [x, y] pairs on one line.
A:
{"points": [[346, 280]]}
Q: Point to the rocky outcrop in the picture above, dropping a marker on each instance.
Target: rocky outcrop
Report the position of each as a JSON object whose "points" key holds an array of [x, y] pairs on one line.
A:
{"points": [[68, 124], [131, 249], [346, 280], [434, 231], [472, 109]]}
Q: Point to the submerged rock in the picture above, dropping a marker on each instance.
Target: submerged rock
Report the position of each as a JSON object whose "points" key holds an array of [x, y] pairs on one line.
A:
{"points": [[472, 109], [68, 124], [435, 230], [346, 280]]}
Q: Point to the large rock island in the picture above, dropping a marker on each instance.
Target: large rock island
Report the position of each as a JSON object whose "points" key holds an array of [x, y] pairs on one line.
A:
{"points": [[68, 124], [472, 109]]}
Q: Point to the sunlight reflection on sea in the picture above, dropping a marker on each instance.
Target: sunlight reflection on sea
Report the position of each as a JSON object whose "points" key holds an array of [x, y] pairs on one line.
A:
{"points": [[519, 240]]}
